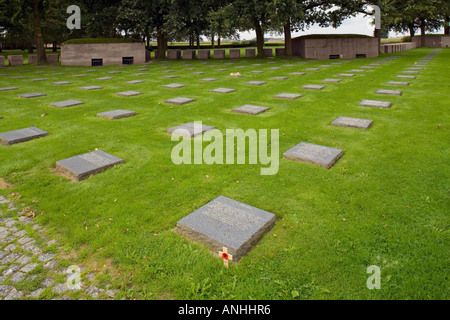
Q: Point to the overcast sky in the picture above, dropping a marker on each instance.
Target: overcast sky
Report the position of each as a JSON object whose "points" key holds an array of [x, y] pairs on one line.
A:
{"points": [[357, 25]]}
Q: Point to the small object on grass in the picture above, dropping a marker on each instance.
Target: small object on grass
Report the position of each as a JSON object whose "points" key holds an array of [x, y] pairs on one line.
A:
{"points": [[225, 256]]}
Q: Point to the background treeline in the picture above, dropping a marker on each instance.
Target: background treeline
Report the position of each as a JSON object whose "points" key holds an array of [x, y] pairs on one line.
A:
{"points": [[28, 24]]}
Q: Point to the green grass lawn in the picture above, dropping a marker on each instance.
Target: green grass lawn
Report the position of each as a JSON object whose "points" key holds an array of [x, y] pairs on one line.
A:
{"points": [[384, 203]]}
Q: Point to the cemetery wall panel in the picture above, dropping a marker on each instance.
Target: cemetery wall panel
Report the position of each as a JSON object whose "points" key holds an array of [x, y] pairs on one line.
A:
{"points": [[111, 53], [345, 48]]}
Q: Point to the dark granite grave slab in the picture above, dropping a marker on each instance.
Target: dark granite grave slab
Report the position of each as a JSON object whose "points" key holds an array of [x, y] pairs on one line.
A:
{"points": [[190, 130], [321, 156], [32, 95], [250, 109], [256, 83], [375, 104], [352, 123], [227, 223], [83, 166], [67, 103], [179, 101], [22, 135], [117, 114], [8, 89]]}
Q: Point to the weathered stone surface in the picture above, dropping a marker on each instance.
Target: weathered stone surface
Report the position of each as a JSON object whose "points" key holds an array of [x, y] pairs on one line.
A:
{"points": [[81, 167], [179, 101], [174, 86], [219, 54], [274, 68], [312, 69], [22, 135], [279, 78], [346, 75], [398, 83], [357, 70], [105, 78], [8, 89], [321, 156], [256, 83], [61, 83], [129, 93], [222, 90], [91, 88], [135, 81], [227, 223], [288, 96], [256, 72], [32, 95], [410, 72], [331, 80], [190, 130], [406, 77], [67, 103], [297, 73], [352, 123], [313, 87], [375, 104], [208, 79], [390, 92], [250, 109], [117, 114]]}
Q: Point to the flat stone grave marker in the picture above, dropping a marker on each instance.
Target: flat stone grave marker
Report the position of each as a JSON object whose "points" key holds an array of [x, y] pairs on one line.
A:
{"points": [[297, 73], [226, 223], [256, 83], [222, 69], [190, 130], [390, 92], [9, 89], [199, 73], [135, 82], [139, 74], [352, 123], [104, 78], [129, 93], [38, 79], [208, 79], [81, 167], [279, 78], [78, 75], [174, 86], [113, 72], [375, 104], [398, 83], [415, 68], [32, 95], [274, 68], [117, 114], [179, 101], [406, 77], [312, 69], [22, 135], [91, 88], [288, 96], [321, 156], [313, 87], [367, 67], [168, 71], [325, 66], [250, 109], [410, 72], [346, 75], [332, 80], [61, 83], [170, 77], [222, 90], [67, 103], [257, 72], [17, 77]]}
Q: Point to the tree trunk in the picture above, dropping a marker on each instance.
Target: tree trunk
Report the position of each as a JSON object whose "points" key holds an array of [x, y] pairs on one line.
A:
{"points": [[218, 41], [288, 40], [213, 40], [447, 26], [422, 31], [412, 31], [162, 46], [198, 41], [55, 46], [259, 38], [378, 36], [38, 32]]}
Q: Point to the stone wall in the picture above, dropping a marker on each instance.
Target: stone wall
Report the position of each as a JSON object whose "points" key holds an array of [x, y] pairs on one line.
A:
{"points": [[433, 41], [397, 47], [344, 48], [111, 53]]}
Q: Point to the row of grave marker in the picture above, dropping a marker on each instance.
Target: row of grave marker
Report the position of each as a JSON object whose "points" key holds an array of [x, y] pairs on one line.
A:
{"points": [[230, 228]]}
